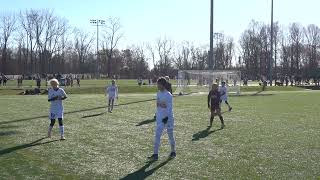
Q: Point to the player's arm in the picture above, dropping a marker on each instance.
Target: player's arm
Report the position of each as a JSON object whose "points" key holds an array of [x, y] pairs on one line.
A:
{"points": [[106, 90], [209, 98], [117, 91], [169, 106], [52, 99], [64, 95]]}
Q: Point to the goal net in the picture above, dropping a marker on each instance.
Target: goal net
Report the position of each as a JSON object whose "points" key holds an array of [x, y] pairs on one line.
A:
{"points": [[200, 81]]}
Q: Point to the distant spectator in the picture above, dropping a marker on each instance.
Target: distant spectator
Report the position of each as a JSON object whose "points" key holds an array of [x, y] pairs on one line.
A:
{"points": [[78, 81], [38, 80], [0, 80], [286, 79], [4, 79], [139, 81], [20, 79]]}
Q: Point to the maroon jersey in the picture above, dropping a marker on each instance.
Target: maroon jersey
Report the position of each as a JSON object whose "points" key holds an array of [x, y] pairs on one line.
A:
{"points": [[214, 98]]}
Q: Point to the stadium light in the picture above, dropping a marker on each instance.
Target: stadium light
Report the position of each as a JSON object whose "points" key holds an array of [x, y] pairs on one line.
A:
{"points": [[97, 22], [211, 58], [271, 41]]}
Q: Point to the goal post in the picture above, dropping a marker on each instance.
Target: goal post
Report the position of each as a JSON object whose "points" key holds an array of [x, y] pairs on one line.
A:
{"points": [[200, 81]]}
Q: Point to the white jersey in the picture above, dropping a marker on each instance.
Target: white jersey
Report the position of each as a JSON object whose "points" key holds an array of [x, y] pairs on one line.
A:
{"points": [[112, 91], [56, 107], [224, 91], [164, 98]]}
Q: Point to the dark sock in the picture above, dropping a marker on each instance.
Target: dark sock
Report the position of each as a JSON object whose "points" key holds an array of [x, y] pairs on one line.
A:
{"points": [[211, 120], [221, 119]]}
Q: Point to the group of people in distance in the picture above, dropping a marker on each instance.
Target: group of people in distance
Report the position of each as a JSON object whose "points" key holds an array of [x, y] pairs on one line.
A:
{"points": [[164, 111], [3, 79]]}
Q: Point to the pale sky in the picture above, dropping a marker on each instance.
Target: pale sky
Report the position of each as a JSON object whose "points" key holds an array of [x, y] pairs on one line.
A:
{"points": [[180, 20]]}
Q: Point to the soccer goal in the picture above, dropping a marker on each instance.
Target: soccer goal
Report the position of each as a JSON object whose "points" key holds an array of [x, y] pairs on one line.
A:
{"points": [[200, 81]]}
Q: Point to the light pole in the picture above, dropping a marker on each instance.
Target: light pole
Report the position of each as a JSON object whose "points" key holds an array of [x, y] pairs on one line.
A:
{"points": [[97, 22], [271, 41], [211, 58]]}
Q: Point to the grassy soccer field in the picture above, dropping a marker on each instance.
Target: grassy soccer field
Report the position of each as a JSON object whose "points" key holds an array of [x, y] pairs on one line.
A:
{"points": [[270, 135]]}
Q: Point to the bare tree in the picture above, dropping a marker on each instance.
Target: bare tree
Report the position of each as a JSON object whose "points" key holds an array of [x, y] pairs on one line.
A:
{"points": [[151, 50], [82, 45], [164, 48], [112, 36], [7, 27], [312, 34]]}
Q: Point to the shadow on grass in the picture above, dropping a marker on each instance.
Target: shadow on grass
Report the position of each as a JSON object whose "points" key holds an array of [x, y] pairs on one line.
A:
{"points": [[148, 121], [94, 115], [8, 127], [76, 111], [143, 173], [8, 133], [24, 146], [203, 134], [254, 94]]}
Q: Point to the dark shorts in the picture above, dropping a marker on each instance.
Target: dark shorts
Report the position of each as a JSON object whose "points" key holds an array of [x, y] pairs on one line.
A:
{"points": [[215, 108]]}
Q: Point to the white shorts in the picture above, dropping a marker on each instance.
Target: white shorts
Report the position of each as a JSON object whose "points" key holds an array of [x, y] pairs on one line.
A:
{"points": [[55, 115], [168, 125], [224, 99]]}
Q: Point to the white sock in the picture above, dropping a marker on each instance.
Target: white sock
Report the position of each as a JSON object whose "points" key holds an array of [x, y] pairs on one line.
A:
{"points": [[61, 130]]}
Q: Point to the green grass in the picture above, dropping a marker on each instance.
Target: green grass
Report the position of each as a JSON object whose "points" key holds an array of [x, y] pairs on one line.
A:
{"points": [[125, 86], [274, 135]]}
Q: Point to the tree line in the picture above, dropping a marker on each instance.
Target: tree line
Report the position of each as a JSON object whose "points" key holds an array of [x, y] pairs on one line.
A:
{"points": [[39, 41]]}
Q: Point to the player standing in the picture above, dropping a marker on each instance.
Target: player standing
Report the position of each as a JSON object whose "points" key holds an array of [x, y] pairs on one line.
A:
{"points": [[164, 119], [224, 98], [111, 92], [214, 104], [55, 96]]}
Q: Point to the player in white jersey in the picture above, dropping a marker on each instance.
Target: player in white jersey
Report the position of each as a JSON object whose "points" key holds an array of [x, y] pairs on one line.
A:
{"points": [[112, 93], [223, 90], [56, 95], [164, 119]]}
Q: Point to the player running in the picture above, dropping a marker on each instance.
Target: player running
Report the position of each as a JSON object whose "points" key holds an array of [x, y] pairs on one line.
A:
{"points": [[164, 119], [111, 92], [214, 104], [56, 95], [224, 98]]}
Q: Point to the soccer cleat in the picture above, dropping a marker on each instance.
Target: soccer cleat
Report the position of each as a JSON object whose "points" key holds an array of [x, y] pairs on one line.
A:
{"points": [[230, 109], [154, 157], [222, 126], [62, 138], [173, 154]]}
